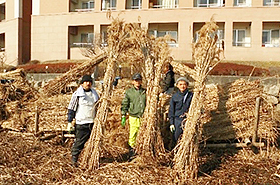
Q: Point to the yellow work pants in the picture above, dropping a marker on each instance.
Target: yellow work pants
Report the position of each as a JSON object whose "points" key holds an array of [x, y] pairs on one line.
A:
{"points": [[134, 125]]}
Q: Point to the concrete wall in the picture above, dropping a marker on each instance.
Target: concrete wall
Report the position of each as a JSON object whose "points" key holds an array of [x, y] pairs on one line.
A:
{"points": [[211, 79]]}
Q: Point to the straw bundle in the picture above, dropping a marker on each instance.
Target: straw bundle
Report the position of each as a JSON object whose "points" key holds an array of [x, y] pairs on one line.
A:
{"points": [[17, 88], [205, 54], [149, 142], [118, 42], [15, 95], [241, 108], [59, 84], [181, 69]]}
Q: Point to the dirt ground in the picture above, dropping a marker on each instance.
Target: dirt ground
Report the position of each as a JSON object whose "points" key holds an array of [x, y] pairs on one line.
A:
{"points": [[24, 159]]}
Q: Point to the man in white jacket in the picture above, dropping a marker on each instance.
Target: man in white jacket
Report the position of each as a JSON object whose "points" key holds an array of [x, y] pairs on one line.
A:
{"points": [[82, 107]]}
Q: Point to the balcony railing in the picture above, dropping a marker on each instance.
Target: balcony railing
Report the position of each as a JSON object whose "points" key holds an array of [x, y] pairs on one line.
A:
{"points": [[85, 10], [81, 45], [165, 6], [270, 45], [272, 4], [241, 44], [211, 5]]}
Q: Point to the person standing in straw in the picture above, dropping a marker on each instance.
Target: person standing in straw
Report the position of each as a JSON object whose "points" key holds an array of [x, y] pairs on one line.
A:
{"points": [[134, 104], [179, 105], [168, 81], [82, 107]]}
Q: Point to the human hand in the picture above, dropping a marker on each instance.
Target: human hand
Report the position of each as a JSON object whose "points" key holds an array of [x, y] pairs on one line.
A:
{"points": [[172, 128], [123, 121], [70, 127]]}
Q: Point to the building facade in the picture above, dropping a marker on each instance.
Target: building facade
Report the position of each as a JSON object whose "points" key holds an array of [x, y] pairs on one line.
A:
{"points": [[15, 31], [249, 30]]}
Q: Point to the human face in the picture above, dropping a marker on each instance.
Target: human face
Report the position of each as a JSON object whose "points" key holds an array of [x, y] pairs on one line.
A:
{"points": [[137, 83], [86, 85], [182, 85]]}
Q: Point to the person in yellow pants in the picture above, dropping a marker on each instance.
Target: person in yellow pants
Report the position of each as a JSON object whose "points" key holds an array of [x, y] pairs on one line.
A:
{"points": [[134, 125], [133, 104]]}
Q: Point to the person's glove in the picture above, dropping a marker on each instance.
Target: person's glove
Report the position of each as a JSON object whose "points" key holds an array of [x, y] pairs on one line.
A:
{"points": [[123, 121], [172, 128], [70, 127]]}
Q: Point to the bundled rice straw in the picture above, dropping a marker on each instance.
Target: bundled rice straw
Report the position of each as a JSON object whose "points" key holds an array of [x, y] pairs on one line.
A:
{"points": [[149, 142], [205, 55], [241, 108], [59, 84], [15, 95], [118, 43]]}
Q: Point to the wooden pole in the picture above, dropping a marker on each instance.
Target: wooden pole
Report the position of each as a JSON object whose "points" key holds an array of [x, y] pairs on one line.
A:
{"points": [[36, 120], [256, 124]]}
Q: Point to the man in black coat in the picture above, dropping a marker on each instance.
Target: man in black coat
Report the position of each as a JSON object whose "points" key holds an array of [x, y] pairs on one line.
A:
{"points": [[179, 106], [168, 81]]}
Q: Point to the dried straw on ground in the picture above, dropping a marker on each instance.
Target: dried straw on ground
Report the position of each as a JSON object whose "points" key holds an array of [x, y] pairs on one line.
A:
{"points": [[241, 108], [205, 54], [18, 88], [15, 95]]}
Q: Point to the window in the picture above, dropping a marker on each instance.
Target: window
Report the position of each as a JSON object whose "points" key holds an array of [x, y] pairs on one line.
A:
{"points": [[104, 38], [109, 4], [242, 2], [164, 4], [210, 3], [271, 2], [133, 4], [270, 38], [2, 42], [88, 5], [86, 40], [173, 35], [2, 11], [239, 37]]}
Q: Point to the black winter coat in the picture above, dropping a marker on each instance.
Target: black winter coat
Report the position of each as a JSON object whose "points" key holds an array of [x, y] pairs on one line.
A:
{"points": [[179, 104]]}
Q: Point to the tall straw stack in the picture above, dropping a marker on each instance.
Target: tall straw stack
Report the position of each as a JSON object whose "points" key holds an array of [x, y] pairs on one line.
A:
{"points": [[205, 55], [119, 41], [149, 142]]}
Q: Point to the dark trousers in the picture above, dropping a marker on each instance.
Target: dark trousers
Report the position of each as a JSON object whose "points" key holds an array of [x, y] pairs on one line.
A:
{"points": [[178, 128], [82, 134]]}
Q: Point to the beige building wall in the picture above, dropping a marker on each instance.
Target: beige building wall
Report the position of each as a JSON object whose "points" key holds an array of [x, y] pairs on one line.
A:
{"points": [[54, 6], [10, 28], [50, 28]]}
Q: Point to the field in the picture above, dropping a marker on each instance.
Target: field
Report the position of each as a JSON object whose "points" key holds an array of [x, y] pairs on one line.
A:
{"points": [[231, 133], [27, 158]]}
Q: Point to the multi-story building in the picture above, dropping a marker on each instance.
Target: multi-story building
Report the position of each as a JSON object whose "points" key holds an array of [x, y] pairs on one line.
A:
{"points": [[15, 31], [248, 29]]}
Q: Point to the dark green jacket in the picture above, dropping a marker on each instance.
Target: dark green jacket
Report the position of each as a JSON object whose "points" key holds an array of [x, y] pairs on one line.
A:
{"points": [[134, 102]]}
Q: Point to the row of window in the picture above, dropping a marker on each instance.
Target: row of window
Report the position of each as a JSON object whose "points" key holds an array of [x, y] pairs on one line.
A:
{"points": [[241, 36], [88, 5]]}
